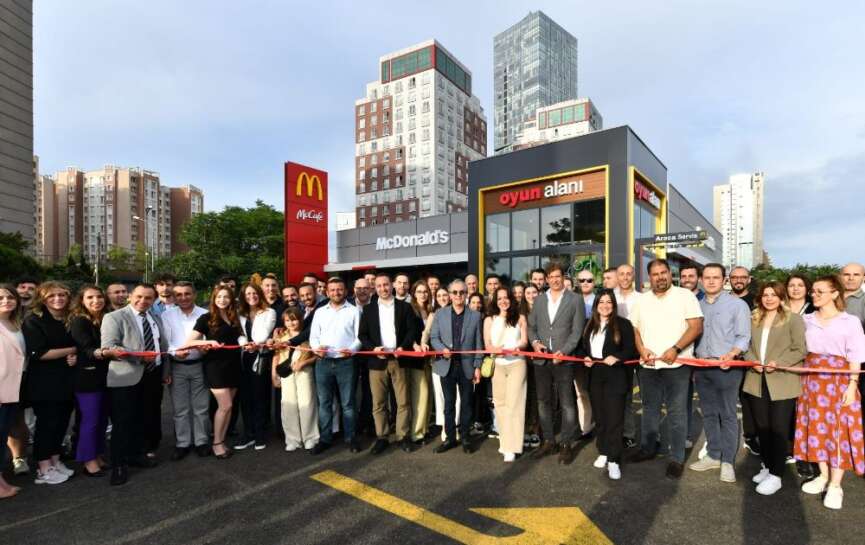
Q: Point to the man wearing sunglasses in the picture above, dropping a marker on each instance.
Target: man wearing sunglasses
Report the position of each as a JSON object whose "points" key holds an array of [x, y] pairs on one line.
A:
{"points": [[457, 328], [586, 282]]}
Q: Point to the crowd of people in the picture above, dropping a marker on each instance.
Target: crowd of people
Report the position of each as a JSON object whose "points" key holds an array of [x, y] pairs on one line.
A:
{"points": [[540, 366]]}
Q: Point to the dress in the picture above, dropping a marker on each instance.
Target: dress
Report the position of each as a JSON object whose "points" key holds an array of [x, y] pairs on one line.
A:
{"points": [[221, 367], [826, 431]]}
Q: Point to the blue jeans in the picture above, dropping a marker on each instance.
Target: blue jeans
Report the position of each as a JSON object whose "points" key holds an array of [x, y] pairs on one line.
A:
{"points": [[453, 381], [719, 393], [665, 387], [340, 373]]}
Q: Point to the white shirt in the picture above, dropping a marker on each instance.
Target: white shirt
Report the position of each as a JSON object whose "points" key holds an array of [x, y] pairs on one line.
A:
{"points": [[663, 320], [335, 328], [553, 306], [178, 325], [764, 343], [625, 303], [153, 329], [387, 323], [596, 343]]}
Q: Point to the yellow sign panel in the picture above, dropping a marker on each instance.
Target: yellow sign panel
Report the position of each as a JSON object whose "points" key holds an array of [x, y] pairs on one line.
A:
{"points": [[539, 525]]}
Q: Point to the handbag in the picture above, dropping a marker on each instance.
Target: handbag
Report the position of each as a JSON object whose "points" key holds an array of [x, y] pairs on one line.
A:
{"points": [[283, 370], [488, 365]]}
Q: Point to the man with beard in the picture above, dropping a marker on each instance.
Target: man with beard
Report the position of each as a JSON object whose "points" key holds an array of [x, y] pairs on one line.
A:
{"points": [[740, 281]]}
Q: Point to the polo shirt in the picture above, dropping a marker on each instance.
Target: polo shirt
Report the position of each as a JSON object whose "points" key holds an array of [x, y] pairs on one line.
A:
{"points": [[661, 321]]}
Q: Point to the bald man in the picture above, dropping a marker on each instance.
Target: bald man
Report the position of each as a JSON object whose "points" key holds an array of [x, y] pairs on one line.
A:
{"points": [[852, 276]]}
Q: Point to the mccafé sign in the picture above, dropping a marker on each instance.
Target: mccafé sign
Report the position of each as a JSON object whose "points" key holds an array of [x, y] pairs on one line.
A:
{"points": [[305, 221], [643, 193], [553, 189], [316, 216], [439, 236]]}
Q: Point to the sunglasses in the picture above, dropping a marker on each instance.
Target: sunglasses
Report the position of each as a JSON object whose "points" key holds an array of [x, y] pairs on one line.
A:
{"points": [[460, 292], [585, 280]]}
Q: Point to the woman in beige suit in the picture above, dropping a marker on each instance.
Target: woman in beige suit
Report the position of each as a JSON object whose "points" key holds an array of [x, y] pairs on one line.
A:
{"points": [[777, 339], [420, 371]]}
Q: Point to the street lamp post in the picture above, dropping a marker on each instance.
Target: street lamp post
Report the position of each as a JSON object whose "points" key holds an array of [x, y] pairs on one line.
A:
{"points": [[144, 221]]}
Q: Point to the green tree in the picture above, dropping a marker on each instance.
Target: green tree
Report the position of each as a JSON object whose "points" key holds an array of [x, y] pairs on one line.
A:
{"points": [[766, 273], [14, 261]]}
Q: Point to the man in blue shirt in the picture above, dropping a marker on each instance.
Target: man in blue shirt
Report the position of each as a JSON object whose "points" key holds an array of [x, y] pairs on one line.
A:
{"points": [[726, 334]]}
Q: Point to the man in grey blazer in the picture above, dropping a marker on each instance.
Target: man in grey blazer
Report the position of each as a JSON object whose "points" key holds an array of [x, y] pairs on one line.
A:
{"points": [[556, 325], [456, 327], [132, 381]]}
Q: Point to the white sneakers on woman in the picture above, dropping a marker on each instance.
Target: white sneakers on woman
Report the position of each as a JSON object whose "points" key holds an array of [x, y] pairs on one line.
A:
{"points": [[600, 462], [52, 476], [760, 477], [769, 485], [614, 471], [815, 486], [61, 468], [509, 456], [834, 497]]}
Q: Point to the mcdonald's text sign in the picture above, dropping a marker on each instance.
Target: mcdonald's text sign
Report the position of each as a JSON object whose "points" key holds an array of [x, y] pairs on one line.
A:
{"points": [[305, 221]]}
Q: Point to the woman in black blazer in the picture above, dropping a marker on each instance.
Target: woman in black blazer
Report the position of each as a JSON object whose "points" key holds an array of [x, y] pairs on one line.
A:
{"points": [[608, 341], [91, 372]]}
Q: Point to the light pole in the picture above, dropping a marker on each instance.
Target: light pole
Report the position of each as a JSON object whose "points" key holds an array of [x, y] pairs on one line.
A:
{"points": [[142, 220]]}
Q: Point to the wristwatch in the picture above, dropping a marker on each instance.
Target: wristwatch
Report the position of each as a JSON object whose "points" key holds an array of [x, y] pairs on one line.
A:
{"points": [[677, 349]]}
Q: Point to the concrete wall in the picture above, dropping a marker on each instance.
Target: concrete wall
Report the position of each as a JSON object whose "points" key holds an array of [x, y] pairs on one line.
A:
{"points": [[359, 245]]}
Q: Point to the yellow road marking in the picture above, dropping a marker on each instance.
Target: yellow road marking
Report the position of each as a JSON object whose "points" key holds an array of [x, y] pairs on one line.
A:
{"points": [[539, 525]]}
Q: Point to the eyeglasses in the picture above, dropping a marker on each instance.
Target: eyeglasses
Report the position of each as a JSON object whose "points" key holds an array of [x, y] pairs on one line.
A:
{"points": [[738, 278], [458, 292], [585, 280], [820, 293]]}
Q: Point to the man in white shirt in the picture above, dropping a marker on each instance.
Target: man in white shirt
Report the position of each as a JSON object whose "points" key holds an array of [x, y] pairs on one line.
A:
{"points": [[333, 337], [190, 397], [667, 320], [626, 296]]}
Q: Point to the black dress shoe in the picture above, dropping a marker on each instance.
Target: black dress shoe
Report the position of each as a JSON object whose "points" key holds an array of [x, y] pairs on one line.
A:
{"points": [[445, 446], [143, 461], [180, 453], [379, 446], [566, 454], [97, 473], [354, 445], [587, 436], [674, 470], [547, 447], [203, 451], [320, 447], [467, 446], [642, 456], [119, 475], [405, 444]]}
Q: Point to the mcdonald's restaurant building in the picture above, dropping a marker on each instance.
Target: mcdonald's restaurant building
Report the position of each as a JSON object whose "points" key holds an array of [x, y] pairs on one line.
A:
{"points": [[590, 202]]}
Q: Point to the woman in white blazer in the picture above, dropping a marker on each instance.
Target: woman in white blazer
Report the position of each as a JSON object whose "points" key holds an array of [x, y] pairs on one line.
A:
{"points": [[257, 321], [13, 353]]}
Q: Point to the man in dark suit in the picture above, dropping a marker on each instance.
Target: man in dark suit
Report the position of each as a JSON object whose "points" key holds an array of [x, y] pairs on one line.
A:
{"points": [[386, 325], [132, 380], [555, 325], [457, 328], [309, 303]]}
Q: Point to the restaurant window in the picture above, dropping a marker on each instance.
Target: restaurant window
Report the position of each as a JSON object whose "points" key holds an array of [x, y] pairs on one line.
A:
{"points": [[556, 224], [526, 229], [589, 222], [498, 232], [500, 266], [521, 267]]}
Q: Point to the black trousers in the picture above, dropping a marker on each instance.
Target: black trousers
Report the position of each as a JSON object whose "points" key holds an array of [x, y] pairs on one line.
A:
{"points": [[52, 419], [151, 402], [772, 419], [749, 424], [549, 379], [484, 402], [254, 402], [608, 391], [127, 421], [450, 382]]}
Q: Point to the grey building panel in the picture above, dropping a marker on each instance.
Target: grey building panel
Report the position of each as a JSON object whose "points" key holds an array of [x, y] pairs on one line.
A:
{"points": [[14, 101], [459, 242], [346, 238], [433, 223], [401, 252], [368, 235], [347, 254], [366, 252], [460, 223], [16, 191], [14, 39], [401, 228], [16, 68], [15, 138], [16, 125], [22, 9]]}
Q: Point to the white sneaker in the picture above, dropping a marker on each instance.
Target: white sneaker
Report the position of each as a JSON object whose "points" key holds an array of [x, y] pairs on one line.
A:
{"points": [[244, 445], [728, 474], [614, 471], [291, 448], [510, 456], [815, 486], [704, 451], [52, 476], [834, 497], [20, 467], [790, 460], [61, 468], [600, 462], [760, 477], [769, 485], [689, 443], [705, 464]]}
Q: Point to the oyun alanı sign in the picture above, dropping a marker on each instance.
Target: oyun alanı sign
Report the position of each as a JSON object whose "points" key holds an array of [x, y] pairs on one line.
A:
{"points": [[439, 236]]}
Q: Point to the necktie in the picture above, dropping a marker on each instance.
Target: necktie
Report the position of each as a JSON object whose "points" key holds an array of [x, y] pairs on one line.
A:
{"points": [[149, 345]]}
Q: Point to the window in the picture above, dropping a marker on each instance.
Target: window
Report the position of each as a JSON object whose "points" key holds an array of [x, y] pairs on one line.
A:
{"points": [[411, 110], [556, 224], [498, 232], [589, 222], [372, 106], [526, 229]]}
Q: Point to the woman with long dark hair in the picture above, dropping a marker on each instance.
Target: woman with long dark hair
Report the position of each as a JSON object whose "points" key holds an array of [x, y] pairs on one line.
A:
{"points": [[91, 373], [419, 369], [13, 357], [798, 290], [49, 385], [257, 321], [607, 343], [505, 329], [442, 300], [220, 326]]}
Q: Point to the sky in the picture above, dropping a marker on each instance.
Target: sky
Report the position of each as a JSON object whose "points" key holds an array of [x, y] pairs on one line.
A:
{"points": [[220, 94]]}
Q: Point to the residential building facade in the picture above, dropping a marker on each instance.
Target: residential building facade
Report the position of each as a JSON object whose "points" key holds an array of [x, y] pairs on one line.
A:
{"points": [[535, 65], [560, 121], [416, 129], [738, 214]]}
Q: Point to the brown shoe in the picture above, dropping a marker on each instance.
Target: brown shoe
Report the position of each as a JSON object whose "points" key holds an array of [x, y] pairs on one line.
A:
{"points": [[566, 454], [547, 447], [674, 470]]}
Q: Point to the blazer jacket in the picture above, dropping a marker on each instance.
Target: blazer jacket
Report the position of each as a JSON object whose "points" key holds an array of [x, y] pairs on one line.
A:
{"points": [[120, 328], [12, 361], [406, 326], [261, 330], [567, 327], [303, 337], [441, 337], [625, 350], [786, 346]]}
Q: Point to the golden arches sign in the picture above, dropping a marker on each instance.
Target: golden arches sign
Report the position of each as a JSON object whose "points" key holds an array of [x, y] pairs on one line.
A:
{"points": [[311, 181]]}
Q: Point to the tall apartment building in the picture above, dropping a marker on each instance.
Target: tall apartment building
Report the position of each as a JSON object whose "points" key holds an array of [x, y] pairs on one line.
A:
{"points": [[738, 214], [16, 118], [416, 129], [560, 121], [112, 207], [535, 65]]}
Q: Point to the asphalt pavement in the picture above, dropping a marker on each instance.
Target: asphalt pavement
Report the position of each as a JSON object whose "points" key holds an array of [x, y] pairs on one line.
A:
{"points": [[275, 497]]}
